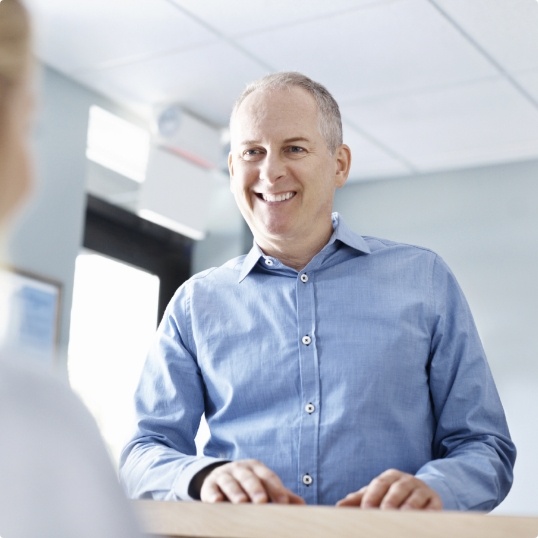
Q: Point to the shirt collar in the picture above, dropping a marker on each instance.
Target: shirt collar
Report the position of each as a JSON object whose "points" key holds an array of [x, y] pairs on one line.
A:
{"points": [[251, 259], [341, 232], [344, 234]]}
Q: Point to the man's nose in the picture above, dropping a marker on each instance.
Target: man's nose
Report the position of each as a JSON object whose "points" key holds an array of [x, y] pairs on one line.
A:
{"points": [[272, 167]]}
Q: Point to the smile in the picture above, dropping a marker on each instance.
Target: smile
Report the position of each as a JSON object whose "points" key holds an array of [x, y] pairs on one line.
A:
{"points": [[276, 197]]}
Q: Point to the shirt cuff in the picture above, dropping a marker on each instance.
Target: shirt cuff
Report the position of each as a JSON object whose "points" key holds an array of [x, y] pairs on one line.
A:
{"points": [[183, 481], [448, 498]]}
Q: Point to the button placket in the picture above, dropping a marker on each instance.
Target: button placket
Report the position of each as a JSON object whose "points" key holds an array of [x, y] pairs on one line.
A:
{"points": [[309, 371]]}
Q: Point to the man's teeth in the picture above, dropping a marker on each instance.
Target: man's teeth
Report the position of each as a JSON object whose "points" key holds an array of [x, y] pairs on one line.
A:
{"points": [[278, 197]]}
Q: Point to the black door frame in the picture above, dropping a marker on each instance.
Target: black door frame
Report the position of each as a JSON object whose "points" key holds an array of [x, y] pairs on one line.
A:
{"points": [[120, 234]]}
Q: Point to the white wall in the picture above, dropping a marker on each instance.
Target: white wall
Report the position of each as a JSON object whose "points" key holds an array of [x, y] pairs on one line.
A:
{"points": [[225, 229], [484, 223]]}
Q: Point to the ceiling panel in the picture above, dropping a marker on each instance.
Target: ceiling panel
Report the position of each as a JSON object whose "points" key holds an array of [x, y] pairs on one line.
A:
{"points": [[529, 81], [477, 123], [205, 80], [80, 36], [397, 47], [242, 17], [506, 29]]}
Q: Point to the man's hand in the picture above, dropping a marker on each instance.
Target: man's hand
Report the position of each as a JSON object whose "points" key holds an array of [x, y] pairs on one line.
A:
{"points": [[394, 490], [246, 481]]}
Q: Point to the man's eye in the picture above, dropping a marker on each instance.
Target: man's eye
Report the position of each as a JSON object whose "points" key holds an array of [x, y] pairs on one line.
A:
{"points": [[295, 149], [251, 152]]}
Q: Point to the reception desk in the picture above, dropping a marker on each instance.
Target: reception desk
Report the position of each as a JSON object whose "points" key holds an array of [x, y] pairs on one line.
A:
{"points": [[198, 520]]}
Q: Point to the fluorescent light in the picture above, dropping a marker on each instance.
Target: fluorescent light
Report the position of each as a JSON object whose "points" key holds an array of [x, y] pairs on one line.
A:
{"points": [[171, 224]]}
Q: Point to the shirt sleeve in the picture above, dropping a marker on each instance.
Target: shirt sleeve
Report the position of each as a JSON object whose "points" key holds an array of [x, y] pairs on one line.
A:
{"points": [[160, 460], [474, 456]]}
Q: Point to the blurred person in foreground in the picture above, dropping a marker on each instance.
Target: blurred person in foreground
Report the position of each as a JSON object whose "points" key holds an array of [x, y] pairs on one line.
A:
{"points": [[56, 477], [331, 368]]}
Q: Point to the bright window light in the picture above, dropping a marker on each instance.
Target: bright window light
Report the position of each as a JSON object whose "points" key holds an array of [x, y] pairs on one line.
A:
{"points": [[117, 144], [113, 321]]}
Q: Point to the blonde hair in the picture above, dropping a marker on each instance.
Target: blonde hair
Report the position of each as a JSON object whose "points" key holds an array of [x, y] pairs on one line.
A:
{"points": [[14, 44], [330, 121], [15, 71]]}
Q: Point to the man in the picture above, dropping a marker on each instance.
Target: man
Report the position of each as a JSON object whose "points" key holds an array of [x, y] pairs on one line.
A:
{"points": [[331, 368]]}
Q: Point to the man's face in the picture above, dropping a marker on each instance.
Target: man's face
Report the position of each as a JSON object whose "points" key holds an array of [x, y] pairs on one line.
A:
{"points": [[282, 174]]}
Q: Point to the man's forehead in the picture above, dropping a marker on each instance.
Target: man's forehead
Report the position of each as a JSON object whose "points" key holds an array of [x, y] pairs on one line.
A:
{"points": [[263, 98], [282, 109], [257, 131]]}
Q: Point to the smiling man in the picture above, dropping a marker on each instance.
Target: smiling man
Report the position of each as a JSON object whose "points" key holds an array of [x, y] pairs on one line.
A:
{"points": [[331, 368]]}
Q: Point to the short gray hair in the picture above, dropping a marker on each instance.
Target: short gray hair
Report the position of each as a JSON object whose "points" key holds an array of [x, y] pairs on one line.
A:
{"points": [[330, 120]]}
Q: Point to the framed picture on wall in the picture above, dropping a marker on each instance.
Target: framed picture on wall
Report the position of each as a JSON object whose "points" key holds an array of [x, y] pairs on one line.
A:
{"points": [[29, 315]]}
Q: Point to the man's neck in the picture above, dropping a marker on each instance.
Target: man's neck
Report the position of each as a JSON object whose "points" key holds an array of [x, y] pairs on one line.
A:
{"points": [[295, 253]]}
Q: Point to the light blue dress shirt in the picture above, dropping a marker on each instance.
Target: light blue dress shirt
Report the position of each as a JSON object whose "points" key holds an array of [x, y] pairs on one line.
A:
{"points": [[367, 359]]}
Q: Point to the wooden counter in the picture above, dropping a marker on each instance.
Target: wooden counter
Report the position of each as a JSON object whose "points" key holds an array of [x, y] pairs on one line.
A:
{"points": [[198, 520]]}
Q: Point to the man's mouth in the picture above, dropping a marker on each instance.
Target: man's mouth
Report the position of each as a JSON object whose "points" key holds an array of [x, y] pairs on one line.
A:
{"points": [[271, 198]]}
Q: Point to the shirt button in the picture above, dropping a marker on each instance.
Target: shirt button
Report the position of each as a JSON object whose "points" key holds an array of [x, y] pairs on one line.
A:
{"points": [[309, 408], [268, 261], [306, 340], [307, 479], [304, 277]]}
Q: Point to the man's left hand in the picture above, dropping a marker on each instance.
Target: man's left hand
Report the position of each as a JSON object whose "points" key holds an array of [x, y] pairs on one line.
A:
{"points": [[394, 490]]}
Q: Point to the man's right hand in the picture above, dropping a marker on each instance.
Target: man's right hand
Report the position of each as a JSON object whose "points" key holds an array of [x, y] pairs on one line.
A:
{"points": [[246, 481]]}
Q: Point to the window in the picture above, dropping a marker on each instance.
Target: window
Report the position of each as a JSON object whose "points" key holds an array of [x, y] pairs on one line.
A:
{"points": [[113, 321]]}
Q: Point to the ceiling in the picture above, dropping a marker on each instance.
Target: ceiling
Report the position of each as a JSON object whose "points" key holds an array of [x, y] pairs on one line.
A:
{"points": [[423, 85]]}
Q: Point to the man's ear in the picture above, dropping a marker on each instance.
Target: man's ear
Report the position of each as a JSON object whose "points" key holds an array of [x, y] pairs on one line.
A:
{"points": [[343, 164], [231, 170]]}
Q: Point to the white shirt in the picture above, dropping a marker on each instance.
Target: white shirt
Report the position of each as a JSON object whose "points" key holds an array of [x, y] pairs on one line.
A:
{"points": [[56, 477]]}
